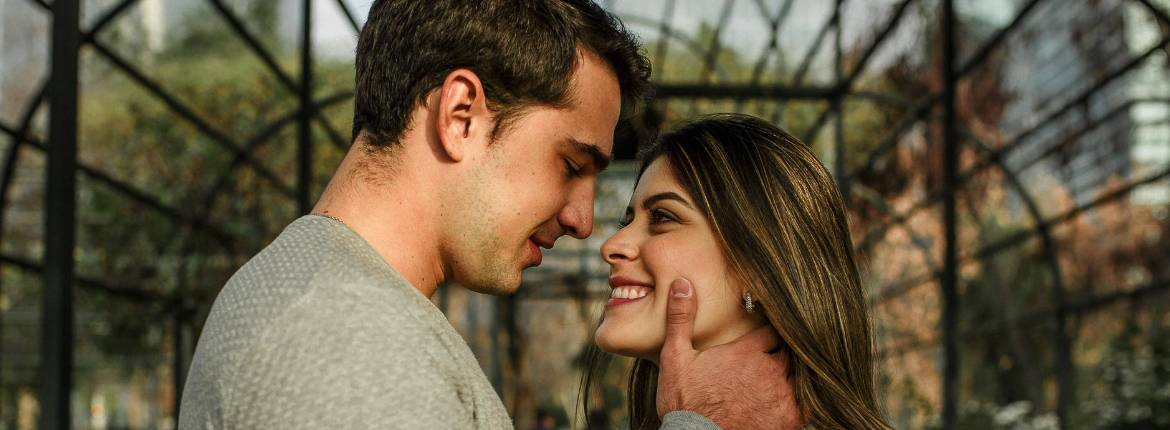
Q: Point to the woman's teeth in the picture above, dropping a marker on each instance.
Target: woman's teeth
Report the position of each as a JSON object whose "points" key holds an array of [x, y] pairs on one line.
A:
{"points": [[629, 292]]}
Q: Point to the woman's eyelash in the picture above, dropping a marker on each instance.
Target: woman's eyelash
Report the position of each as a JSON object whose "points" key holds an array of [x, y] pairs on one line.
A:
{"points": [[657, 216]]}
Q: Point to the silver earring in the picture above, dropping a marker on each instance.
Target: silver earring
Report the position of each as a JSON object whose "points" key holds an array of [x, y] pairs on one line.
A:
{"points": [[747, 303]]}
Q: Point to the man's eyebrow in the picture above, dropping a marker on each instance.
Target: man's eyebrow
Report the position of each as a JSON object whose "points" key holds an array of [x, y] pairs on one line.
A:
{"points": [[599, 158], [669, 195]]}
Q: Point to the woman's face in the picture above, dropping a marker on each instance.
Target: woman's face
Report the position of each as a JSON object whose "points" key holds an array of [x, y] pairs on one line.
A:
{"points": [[667, 237]]}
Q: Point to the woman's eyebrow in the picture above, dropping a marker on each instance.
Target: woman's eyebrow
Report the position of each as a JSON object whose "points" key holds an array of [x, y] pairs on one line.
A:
{"points": [[669, 195]]}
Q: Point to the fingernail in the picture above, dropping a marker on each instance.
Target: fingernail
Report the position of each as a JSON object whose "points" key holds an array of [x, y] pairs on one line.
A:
{"points": [[681, 287]]}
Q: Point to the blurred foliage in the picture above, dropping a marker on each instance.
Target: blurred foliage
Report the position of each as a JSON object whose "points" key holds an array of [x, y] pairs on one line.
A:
{"points": [[1135, 376], [1014, 416]]}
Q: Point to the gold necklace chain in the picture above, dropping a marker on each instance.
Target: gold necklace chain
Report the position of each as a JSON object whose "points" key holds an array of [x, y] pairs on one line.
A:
{"points": [[331, 217]]}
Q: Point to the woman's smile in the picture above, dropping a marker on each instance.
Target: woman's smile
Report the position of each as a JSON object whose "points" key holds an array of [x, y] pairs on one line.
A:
{"points": [[626, 290]]}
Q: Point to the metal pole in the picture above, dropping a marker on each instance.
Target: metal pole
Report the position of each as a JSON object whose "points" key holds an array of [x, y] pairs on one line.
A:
{"points": [[839, 155], [60, 221], [183, 345], [950, 280], [304, 125]]}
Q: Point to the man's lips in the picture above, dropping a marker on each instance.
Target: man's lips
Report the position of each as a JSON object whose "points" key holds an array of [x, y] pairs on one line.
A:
{"points": [[534, 244], [541, 242], [536, 254]]}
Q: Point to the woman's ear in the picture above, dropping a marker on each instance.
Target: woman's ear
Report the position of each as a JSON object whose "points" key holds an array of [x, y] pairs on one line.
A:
{"points": [[463, 121]]}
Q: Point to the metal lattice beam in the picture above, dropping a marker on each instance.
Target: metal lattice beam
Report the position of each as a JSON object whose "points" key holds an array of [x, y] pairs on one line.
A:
{"points": [[142, 197], [1020, 139], [744, 92], [56, 378]]}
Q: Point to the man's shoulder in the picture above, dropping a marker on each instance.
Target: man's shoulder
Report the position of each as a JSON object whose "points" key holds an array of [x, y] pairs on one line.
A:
{"points": [[316, 268], [306, 285], [306, 322], [341, 355], [311, 247], [313, 253]]}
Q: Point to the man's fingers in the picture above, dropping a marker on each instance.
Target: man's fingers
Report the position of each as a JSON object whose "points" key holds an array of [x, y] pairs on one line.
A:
{"points": [[680, 319]]}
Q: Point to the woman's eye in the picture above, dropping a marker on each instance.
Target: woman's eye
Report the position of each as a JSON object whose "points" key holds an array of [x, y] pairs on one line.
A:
{"points": [[659, 216]]}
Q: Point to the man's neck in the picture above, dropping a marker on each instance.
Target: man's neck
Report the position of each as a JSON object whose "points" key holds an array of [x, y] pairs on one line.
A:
{"points": [[394, 215]]}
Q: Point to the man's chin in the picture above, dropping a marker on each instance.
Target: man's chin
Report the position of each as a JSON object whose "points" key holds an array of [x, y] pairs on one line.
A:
{"points": [[494, 286]]}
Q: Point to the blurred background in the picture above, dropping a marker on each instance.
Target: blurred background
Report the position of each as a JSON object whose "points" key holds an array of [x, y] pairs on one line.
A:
{"points": [[1005, 162]]}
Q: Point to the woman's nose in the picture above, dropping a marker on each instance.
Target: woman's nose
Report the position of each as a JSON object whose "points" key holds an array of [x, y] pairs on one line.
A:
{"points": [[618, 248]]}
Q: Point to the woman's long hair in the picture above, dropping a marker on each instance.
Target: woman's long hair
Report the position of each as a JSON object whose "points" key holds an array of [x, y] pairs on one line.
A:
{"points": [[781, 222]]}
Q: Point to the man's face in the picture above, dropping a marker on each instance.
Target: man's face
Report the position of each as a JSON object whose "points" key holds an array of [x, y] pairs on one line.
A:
{"points": [[533, 185]]}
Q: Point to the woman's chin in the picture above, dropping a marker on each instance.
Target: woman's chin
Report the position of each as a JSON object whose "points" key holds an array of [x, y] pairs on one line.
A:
{"points": [[630, 352], [625, 349]]}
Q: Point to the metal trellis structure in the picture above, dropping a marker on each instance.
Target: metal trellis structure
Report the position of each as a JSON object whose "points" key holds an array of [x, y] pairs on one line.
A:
{"points": [[936, 222]]}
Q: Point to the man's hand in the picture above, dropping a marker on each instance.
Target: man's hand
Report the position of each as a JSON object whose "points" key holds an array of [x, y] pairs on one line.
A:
{"points": [[738, 385]]}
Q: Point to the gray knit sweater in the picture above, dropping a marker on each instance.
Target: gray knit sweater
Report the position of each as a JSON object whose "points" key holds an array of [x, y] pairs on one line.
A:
{"points": [[318, 331]]}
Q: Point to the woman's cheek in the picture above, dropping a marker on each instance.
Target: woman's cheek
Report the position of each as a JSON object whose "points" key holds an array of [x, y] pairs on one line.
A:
{"points": [[666, 259]]}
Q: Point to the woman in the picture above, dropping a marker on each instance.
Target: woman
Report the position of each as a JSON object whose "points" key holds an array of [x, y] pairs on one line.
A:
{"points": [[748, 214]]}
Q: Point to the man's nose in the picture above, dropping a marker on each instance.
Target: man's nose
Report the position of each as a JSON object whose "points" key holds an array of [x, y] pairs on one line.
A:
{"points": [[577, 216]]}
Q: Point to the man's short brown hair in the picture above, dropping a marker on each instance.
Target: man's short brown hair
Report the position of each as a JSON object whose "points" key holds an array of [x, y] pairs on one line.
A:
{"points": [[523, 51]]}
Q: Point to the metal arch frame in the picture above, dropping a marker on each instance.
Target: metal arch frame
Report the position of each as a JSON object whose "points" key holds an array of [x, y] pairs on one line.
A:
{"points": [[846, 85], [138, 196], [668, 32], [58, 264], [310, 111], [716, 47], [1061, 342], [1017, 141], [665, 30], [262, 137], [890, 141], [712, 52], [189, 114], [20, 136], [1062, 310], [775, 25], [925, 107], [892, 291], [1020, 139], [1075, 308], [813, 50], [241, 155], [299, 88], [919, 241]]}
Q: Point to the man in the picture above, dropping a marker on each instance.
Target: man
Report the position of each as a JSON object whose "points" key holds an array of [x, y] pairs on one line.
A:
{"points": [[479, 130]]}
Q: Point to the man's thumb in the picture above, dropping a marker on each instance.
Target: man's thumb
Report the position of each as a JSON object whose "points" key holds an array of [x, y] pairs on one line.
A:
{"points": [[680, 313]]}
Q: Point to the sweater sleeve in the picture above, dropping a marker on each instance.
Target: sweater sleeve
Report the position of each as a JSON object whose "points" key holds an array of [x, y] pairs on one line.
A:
{"points": [[687, 420]]}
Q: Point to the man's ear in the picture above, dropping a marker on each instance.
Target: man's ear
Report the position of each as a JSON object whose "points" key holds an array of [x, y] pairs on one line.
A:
{"points": [[463, 117]]}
